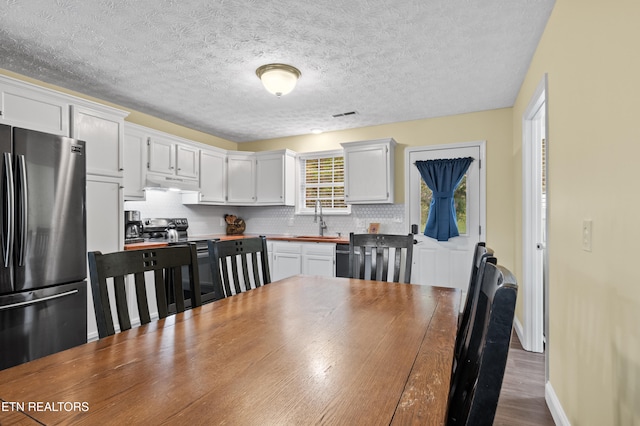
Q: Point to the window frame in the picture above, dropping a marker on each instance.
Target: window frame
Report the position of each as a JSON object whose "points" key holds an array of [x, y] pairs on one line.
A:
{"points": [[301, 208]]}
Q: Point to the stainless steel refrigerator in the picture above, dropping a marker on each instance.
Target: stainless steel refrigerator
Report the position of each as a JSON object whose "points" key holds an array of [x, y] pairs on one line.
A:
{"points": [[43, 289]]}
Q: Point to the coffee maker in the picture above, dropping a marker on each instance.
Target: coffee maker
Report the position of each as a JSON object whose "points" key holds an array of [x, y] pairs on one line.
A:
{"points": [[132, 227]]}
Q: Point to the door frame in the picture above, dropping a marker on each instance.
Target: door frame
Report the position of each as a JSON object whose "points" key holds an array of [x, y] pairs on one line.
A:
{"points": [[535, 325]]}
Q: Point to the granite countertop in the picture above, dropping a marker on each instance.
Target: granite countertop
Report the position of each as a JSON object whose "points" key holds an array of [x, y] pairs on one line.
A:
{"points": [[276, 237]]}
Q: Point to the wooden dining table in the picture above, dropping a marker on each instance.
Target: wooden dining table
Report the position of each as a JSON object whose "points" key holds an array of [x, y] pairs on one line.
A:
{"points": [[303, 350]]}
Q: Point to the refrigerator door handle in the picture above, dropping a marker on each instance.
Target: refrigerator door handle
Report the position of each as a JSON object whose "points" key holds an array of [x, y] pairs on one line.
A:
{"points": [[24, 208], [33, 302], [7, 245]]}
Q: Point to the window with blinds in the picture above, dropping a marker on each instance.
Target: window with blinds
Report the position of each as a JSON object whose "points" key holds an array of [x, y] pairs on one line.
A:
{"points": [[323, 179]]}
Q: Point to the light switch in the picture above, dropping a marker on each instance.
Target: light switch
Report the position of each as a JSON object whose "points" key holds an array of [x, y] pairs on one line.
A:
{"points": [[587, 227]]}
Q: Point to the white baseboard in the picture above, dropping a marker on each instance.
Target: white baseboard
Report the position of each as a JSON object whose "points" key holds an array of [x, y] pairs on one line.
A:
{"points": [[517, 326], [559, 417]]}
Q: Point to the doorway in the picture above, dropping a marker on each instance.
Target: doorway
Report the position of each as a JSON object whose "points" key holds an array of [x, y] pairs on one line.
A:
{"points": [[446, 263], [534, 221]]}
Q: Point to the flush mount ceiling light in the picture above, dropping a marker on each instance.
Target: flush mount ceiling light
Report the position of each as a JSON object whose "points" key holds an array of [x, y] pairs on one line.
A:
{"points": [[278, 79]]}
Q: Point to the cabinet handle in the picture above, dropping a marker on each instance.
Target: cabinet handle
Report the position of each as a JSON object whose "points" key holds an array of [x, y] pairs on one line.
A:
{"points": [[121, 169]]}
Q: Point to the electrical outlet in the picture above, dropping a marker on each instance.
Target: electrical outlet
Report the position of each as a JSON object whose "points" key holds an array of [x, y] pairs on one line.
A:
{"points": [[222, 222], [290, 222], [587, 228]]}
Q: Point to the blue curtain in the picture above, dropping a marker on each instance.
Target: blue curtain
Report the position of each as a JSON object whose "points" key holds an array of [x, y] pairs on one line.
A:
{"points": [[442, 177]]}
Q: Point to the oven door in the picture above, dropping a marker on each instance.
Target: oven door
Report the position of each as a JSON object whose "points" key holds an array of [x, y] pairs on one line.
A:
{"points": [[204, 271], [206, 280]]}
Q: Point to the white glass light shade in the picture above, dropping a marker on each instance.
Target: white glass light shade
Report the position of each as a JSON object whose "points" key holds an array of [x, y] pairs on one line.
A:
{"points": [[278, 79]]}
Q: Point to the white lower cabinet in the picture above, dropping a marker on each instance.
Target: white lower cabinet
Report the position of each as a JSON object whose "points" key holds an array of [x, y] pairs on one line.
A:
{"points": [[287, 259], [319, 259], [293, 258]]}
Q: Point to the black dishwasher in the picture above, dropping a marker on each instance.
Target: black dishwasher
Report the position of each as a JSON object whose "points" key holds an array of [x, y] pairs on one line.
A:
{"points": [[342, 260]]}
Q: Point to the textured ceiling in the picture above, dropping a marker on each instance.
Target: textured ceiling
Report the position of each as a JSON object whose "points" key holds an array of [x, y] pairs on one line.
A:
{"points": [[193, 62]]}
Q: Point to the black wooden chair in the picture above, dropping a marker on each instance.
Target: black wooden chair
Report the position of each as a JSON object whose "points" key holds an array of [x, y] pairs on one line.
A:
{"points": [[477, 269], [369, 256], [238, 265], [166, 263], [476, 383]]}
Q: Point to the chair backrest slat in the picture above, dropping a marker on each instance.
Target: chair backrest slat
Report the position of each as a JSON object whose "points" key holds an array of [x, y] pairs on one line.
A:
{"points": [[248, 261], [141, 298], [166, 265], [369, 256]]}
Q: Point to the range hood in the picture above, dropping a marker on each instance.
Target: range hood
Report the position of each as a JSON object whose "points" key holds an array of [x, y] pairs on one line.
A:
{"points": [[155, 181]]}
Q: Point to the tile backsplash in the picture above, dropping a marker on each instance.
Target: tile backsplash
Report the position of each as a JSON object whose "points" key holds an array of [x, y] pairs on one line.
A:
{"points": [[270, 219]]}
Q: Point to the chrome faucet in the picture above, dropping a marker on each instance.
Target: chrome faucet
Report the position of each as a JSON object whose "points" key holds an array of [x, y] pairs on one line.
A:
{"points": [[322, 225]]}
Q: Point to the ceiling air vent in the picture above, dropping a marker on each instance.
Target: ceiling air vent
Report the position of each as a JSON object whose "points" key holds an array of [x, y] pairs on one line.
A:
{"points": [[344, 114]]}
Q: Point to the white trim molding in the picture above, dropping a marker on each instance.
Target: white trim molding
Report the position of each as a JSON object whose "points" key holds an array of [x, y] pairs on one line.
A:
{"points": [[517, 327], [558, 414], [533, 315]]}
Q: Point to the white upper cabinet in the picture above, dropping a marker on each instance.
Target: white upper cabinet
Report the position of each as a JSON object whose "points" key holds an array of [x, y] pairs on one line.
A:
{"points": [[213, 179], [275, 178], [187, 161], [102, 128], [135, 149], [266, 178], [162, 155], [31, 107], [241, 178], [369, 171], [172, 162]]}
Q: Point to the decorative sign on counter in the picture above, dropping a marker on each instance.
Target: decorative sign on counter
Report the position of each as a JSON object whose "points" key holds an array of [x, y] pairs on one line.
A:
{"points": [[235, 225]]}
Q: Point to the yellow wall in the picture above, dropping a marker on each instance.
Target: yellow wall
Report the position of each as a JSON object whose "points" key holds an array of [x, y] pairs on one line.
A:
{"points": [[493, 126], [590, 52], [138, 117]]}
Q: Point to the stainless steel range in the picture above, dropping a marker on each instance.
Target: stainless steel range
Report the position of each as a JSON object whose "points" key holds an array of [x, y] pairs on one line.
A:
{"points": [[165, 229], [175, 231]]}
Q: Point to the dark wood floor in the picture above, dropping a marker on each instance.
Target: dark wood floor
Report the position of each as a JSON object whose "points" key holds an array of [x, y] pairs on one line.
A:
{"points": [[522, 395]]}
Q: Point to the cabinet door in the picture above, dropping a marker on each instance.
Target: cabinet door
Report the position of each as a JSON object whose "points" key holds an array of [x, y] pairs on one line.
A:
{"points": [[241, 179], [105, 227], [319, 259], [33, 108], [161, 156], [270, 179], [368, 171], [213, 176], [366, 174], [318, 265], [187, 161], [134, 165], [103, 135], [285, 265]]}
